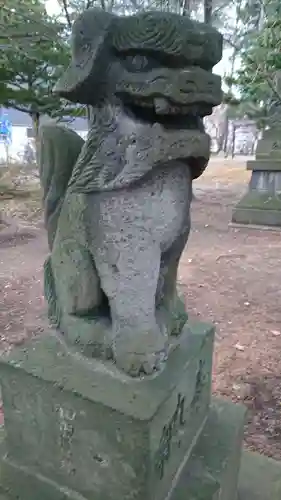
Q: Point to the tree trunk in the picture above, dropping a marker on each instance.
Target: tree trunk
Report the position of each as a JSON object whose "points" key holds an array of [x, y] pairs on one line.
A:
{"points": [[233, 142], [186, 8], [208, 8], [35, 117]]}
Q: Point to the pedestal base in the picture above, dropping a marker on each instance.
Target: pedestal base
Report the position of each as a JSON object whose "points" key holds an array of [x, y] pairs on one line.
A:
{"points": [[83, 426], [261, 205], [211, 472], [259, 479], [258, 208], [78, 429]]}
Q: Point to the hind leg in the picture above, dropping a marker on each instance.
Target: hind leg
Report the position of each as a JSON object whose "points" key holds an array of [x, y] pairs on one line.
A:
{"points": [[171, 308], [77, 303], [129, 278]]}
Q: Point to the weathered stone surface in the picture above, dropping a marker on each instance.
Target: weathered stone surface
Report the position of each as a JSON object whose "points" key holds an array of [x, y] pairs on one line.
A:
{"points": [[269, 146], [118, 206], [256, 217], [268, 182], [267, 165], [260, 478], [80, 428], [260, 208], [210, 472]]}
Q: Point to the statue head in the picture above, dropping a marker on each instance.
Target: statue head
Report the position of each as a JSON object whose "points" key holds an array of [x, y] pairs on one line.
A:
{"points": [[157, 64], [155, 70]]}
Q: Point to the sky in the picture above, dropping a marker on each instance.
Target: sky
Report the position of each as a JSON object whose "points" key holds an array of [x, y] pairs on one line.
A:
{"points": [[221, 68]]}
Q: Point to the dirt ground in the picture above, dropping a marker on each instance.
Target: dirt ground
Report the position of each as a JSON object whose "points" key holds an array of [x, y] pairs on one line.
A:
{"points": [[229, 276]]}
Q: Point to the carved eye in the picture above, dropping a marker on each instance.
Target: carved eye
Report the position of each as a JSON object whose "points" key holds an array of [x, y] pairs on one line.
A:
{"points": [[137, 62]]}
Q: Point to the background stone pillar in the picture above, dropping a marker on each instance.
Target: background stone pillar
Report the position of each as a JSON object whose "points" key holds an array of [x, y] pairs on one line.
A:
{"points": [[261, 205]]}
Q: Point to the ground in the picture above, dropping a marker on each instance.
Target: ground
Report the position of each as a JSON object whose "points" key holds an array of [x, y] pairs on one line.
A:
{"points": [[228, 275]]}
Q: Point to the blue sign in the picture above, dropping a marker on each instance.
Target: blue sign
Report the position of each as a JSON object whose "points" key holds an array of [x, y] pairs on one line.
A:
{"points": [[5, 130]]}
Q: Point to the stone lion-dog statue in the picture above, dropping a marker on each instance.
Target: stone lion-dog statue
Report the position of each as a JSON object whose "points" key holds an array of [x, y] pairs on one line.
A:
{"points": [[117, 206]]}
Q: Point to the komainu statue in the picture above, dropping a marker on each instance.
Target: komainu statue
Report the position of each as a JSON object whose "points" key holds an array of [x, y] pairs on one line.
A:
{"points": [[117, 206]]}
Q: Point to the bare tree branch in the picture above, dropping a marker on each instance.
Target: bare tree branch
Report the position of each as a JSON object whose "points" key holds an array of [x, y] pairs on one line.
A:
{"points": [[65, 8]]}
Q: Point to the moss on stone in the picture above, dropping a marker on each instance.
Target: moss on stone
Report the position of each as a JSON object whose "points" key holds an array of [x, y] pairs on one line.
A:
{"points": [[262, 201]]}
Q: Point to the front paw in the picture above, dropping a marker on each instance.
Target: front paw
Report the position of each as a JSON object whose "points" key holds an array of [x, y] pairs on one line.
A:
{"points": [[140, 352]]}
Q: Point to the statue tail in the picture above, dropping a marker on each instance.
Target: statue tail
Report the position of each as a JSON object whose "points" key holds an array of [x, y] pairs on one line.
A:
{"points": [[50, 294], [59, 149]]}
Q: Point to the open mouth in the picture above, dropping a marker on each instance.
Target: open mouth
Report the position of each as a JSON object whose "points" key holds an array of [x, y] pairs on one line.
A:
{"points": [[169, 115], [175, 118]]}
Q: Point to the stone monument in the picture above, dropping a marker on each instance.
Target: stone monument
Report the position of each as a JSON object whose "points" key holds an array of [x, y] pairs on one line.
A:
{"points": [[261, 205], [114, 402]]}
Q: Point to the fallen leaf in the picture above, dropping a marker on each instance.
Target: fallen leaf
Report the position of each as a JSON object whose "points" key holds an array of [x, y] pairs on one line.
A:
{"points": [[236, 387], [239, 347], [276, 333]]}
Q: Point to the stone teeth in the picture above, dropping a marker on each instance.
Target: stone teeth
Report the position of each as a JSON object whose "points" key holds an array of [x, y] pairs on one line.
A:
{"points": [[161, 105], [147, 104]]}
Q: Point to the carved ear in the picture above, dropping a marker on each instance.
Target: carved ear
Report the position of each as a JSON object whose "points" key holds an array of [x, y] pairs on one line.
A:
{"points": [[89, 34]]}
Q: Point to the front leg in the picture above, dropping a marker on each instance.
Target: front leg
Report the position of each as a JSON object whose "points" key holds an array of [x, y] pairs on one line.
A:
{"points": [[129, 272]]}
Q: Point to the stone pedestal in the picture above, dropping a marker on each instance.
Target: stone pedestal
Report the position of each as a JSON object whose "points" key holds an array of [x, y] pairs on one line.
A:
{"points": [[261, 205], [81, 430]]}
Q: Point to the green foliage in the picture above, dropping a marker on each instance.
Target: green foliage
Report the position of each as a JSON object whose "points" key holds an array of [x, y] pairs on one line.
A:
{"points": [[258, 79], [34, 53]]}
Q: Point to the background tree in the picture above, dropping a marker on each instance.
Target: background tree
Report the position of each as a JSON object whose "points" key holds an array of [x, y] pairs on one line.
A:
{"points": [[33, 53], [258, 78]]}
